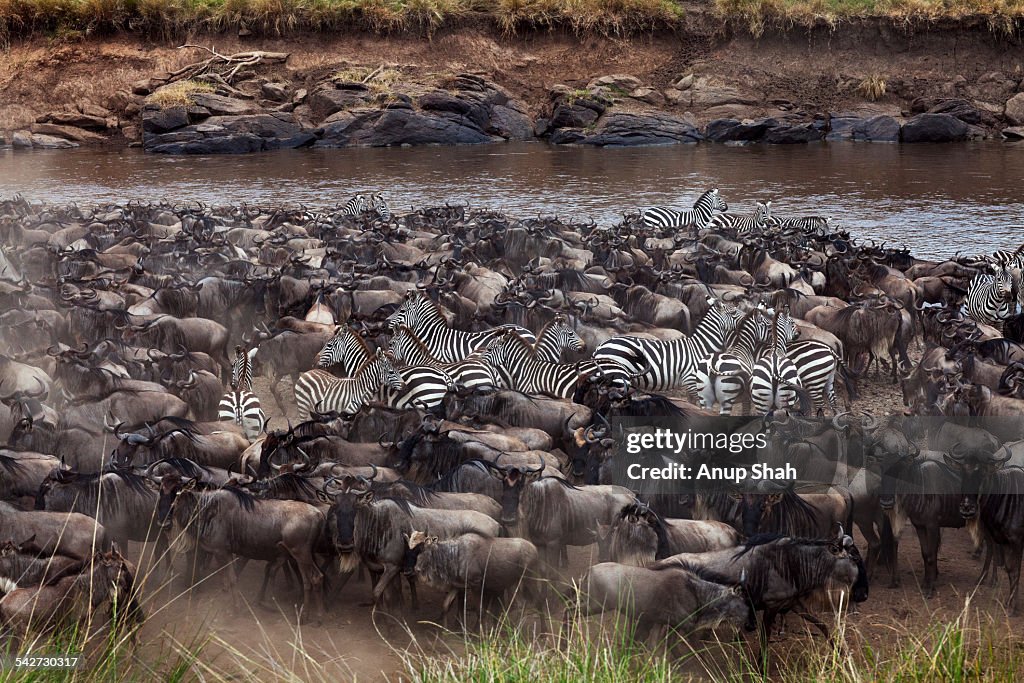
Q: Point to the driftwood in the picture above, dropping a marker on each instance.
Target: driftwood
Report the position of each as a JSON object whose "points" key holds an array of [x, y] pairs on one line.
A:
{"points": [[221, 69]]}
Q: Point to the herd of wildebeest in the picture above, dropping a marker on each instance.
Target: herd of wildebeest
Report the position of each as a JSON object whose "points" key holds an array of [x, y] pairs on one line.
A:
{"points": [[462, 378]]}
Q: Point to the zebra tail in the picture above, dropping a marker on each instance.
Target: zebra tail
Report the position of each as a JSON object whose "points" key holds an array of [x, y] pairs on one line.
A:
{"points": [[851, 386]]}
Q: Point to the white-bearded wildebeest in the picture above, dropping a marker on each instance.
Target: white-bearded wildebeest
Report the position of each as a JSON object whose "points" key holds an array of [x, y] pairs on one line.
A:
{"points": [[229, 523], [363, 527], [780, 573], [22, 565], [103, 586], [471, 563], [680, 596], [640, 536], [22, 472], [54, 533]]}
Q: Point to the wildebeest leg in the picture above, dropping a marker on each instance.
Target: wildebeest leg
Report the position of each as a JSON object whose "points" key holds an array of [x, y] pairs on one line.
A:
{"points": [[1011, 561], [275, 379], [412, 591], [449, 600], [929, 537], [563, 556], [867, 529], [227, 562], [390, 572], [815, 621], [310, 575]]}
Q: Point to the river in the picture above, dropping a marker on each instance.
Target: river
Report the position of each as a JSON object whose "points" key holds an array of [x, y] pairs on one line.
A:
{"points": [[937, 199]]}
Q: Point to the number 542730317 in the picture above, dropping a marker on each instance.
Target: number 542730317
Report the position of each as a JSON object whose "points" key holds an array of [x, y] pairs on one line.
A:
{"points": [[40, 662]]}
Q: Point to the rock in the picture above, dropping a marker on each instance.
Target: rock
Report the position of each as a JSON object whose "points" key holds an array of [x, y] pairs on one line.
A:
{"points": [[300, 96], [580, 114], [232, 135], [621, 82], [934, 128], [842, 127], [67, 132], [40, 141], [674, 96], [277, 92], [1015, 109], [22, 139], [90, 109], [626, 129], [731, 130], [219, 105], [381, 128], [740, 112], [76, 119], [327, 100], [133, 133], [648, 95], [143, 87], [444, 101], [510, 123], [541, 127], [787, 134], [1014, 133], [961, 109], [705, 93], [164, 120], [878, 129], [684, 82]]}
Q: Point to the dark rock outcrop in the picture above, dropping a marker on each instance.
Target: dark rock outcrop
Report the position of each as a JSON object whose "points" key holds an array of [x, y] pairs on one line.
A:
{"points": [[231, 135], [934, 128]]}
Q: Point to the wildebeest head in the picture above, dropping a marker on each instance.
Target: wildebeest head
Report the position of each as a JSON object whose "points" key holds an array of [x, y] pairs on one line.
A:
{"points": [[513, 479], [341, 524], [594, 449], [975, 455], [416, 542], [171, 486]]}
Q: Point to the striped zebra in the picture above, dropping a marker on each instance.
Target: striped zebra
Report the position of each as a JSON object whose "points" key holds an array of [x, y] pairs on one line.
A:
{"points": [[774, 379], [380, 205], [755, 223], [470, 373], [512, 357], [319, 390], [723, 377], [663, 365], [446, 344], [240, 405], [555, 337], [808, 225], [423, 385], [355, 206], [698, 217], [990, 297], [817, 364], [1014, 261]]}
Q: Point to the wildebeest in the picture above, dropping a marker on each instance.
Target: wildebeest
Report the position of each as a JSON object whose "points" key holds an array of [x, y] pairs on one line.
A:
{"points": [[640, 536]]}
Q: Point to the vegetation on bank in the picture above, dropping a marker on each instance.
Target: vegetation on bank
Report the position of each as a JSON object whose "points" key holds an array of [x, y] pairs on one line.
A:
{"points": [[167, 19]]}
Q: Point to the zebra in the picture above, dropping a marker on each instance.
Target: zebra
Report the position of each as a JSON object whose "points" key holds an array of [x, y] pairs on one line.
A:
{"points": [[758, 222], [424, 386], [555, 337], [380, 206], [407, 348], [699, 216], [808, 225], [355, 206], [774, 379], [512, 357], [722, 377], [662, 365], [446, 344], [990, 297], [240, 405], [817, 364], [321, 391]]}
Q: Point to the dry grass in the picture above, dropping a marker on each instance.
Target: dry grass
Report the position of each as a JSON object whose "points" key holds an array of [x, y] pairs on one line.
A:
{"points": [[178, 94], [380, 80], [872, 88]]}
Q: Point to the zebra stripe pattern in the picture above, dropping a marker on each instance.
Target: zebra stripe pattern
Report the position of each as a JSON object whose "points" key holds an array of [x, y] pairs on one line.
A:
{"points": [[446, 344], [407, 349], [319, 390], [355, 206], [242, 408], [423, 387], [808, 225], [660, 365], [698, 217], [774, 380], [241, 370], [723, 377], [513, 358], [745, 225], [555, 337], [990, 297], [380, 206], [347, 349], [817, 364]]}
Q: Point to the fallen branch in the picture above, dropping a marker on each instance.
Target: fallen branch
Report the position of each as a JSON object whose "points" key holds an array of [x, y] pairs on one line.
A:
{"points": [[221, 68]]}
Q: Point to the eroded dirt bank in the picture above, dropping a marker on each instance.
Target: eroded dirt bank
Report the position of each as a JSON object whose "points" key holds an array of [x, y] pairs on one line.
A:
{"points": [[868, 80]]}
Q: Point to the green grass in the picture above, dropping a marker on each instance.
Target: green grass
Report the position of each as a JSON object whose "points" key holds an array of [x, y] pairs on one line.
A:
{"points": [[172, 19]]}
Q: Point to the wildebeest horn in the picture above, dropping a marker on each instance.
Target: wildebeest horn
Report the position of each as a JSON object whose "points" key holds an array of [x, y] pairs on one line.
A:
{"points": [[374, 475], [837, 423], [868, 421]]}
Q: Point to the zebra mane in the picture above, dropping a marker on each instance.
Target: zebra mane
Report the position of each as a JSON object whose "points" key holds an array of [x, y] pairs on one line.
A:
{"points": [[358, 339]]}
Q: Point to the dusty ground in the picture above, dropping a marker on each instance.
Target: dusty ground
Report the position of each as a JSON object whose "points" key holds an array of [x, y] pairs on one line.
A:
{"points": [[352, 642], [810, 70]]}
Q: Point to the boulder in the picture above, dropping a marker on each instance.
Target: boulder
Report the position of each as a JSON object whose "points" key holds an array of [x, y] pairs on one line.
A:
{"points": [[623, 129], [788, 134], [510, 123], [731, 130], [577, 114], [1014, 133], [621, 82], [934, 128], [76, 119], [842, 127], [90, 109], [232, 135], [219, 105], [21, 139], [706, 93], [648, 95], [443, 101], [41, 141], [1015, 109], [327, 100], [67, 132], [399, 126], [963, 110], [878, 129], [276, 92], [164, 120]]}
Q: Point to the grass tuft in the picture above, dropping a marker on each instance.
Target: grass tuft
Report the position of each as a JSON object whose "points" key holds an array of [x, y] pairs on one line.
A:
{"points": [[178, 94], [872, 88]]}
